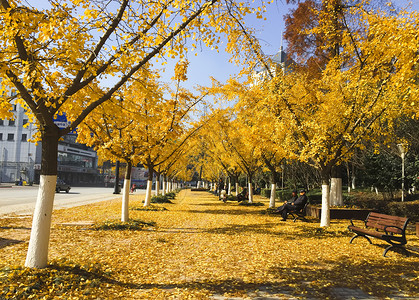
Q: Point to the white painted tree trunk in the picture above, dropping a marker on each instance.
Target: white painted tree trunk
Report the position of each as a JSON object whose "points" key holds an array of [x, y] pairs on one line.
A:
{"points": [[164, 187], [229, 188], [325, 215], [125, 200], [148, 193], [336, 197], [237, 188], [198, 185], [272, 198], [250, 193], [37, 256], [157, 186]]}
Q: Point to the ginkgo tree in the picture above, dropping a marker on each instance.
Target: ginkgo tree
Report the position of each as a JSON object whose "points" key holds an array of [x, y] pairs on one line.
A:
{"points": [[116, 129], [216, 161], [241, 149], [59, 59], [369, 83]]}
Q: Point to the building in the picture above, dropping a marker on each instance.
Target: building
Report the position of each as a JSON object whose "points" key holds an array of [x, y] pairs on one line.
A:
{"points": [[21, 159], [279, 64], [18, 155]]}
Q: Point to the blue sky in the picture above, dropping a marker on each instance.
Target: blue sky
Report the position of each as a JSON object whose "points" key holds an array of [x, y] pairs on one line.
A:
{"points": [[210, 63]]}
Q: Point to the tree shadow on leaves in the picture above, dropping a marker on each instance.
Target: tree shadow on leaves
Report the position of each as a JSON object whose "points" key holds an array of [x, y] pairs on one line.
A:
{"points": [[225, 211], [371, 276], [15, 227], [7, 242], [235, 286], [234, 229]]}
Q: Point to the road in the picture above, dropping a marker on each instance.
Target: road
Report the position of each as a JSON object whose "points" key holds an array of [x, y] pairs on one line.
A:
{"points": [[21, 199]]}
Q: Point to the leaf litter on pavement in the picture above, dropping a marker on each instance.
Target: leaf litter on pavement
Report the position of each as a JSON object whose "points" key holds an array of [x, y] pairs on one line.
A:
{"points": [[196, 248]]}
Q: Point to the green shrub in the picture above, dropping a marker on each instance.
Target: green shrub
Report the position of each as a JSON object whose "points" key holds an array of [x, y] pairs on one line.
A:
{"points": [[231, 198], [148, 208], [160, 199], [119, 225], [265, 193], [409, 209], [171, 195], [246, 203]]}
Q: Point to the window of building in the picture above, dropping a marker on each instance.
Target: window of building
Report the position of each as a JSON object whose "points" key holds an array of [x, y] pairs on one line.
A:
{"points": [[25, 121], [1, 136], [11, 122], [14, 107], [24, 137], [1, 122], [10, 137]]}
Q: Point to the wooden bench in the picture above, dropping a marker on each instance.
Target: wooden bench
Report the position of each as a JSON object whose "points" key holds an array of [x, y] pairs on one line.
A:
{"points": [[299, 214], [391, 229]]}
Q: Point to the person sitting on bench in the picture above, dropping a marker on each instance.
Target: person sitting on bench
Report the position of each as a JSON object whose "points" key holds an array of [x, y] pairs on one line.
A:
{"points": [[243, 195], [295, 204]]}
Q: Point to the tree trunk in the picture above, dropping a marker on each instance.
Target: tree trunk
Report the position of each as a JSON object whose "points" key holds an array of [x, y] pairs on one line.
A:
{"points": [[116, 187], [250, 190], [237, 188], [272, 197], [325, 215], [336, 196], [157, 184], [164, 185], [353, 177], [167, 184], [37, 255], [348, 174], [125, 195], [149, 187]]}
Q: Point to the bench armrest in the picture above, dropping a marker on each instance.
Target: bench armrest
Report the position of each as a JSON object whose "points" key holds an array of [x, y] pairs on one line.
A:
{"points": [[352, 222], [401, 230]]}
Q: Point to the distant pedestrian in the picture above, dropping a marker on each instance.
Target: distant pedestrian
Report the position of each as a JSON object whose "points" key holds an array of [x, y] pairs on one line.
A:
{"points": [[133, 188]]}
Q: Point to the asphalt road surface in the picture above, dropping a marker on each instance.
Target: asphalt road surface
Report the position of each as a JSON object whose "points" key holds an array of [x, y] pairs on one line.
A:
{"points": [[21, 199]]}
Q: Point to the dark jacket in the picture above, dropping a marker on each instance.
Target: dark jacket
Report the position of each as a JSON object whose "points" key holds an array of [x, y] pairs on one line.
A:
{"points": [[292, 199], [301, 201]]}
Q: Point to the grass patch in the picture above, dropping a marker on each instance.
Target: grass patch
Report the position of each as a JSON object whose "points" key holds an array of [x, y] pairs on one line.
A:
{"points": [[245, 203], [160, 199], [148, 208], [118, 225]]}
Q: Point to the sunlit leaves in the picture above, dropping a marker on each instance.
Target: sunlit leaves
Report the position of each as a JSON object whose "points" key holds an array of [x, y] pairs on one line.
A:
{"points": [[201, 247]]}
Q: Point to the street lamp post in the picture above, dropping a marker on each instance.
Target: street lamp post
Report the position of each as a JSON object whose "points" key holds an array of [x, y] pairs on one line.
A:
{"points": [[402, 149]]}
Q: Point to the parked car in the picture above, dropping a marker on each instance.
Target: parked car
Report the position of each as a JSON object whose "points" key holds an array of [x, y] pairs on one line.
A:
{"points": [[62, 186]]}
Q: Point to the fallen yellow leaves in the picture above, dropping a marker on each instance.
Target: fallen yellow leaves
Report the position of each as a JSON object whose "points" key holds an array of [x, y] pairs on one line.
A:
{"points": [[200, 247]]}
